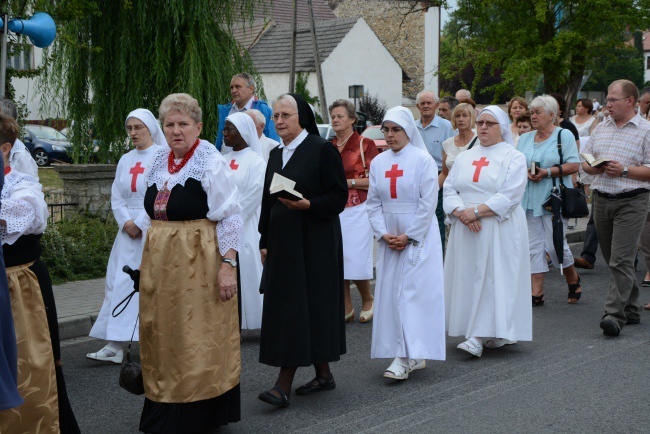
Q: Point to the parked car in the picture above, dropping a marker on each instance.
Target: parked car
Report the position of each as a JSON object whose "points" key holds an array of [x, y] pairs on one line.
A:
{"points": [[374, 132], [326, 131], [46, 144]]}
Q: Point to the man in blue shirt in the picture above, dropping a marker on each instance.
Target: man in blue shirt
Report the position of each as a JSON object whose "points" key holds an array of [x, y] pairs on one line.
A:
{"points": [[434, 130], [242, 90]]}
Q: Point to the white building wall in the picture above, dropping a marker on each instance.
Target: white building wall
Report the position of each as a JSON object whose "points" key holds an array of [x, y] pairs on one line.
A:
{"points": [[431, 49], [26, 91], [360, 58], [646, 67]]}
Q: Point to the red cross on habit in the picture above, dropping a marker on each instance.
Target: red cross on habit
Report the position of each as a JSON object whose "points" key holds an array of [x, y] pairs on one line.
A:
{"points": [[135, 171], [233, 164], [393, 174], [479, 165]]}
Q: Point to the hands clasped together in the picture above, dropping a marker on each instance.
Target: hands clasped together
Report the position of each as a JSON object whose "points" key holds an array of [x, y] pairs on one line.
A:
{"points": [[396, 242], [469, 219]]}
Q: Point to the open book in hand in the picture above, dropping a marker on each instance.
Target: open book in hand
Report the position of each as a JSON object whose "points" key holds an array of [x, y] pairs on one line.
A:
{"points": [[593, 162], [284, 187]]}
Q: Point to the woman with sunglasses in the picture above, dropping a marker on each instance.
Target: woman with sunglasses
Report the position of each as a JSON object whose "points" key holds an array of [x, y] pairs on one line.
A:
{"points": [[487, 270]]}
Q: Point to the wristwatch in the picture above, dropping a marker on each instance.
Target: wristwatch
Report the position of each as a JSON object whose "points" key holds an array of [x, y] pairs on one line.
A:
{"points": [[232, 262], [549, 172], [476, 212], [353, 182], [624, 174]]}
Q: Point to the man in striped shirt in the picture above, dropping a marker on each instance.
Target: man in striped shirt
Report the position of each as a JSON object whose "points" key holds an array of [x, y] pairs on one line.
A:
{"points": [[621, 196]]}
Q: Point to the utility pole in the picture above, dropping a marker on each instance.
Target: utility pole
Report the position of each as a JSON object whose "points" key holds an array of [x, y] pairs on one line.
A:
{"points": [[294, 36], [319, 74]]}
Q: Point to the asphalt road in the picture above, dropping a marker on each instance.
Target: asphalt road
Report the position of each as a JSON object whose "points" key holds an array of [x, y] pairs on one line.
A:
{"points": [[570, 378]]}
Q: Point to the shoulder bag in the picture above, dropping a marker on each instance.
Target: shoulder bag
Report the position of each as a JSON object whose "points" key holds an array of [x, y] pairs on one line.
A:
{"points": [[574, 201]]}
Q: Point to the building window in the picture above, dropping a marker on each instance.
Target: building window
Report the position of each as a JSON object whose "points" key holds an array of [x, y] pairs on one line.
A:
{"points": [[647, 59], [20, 54]]}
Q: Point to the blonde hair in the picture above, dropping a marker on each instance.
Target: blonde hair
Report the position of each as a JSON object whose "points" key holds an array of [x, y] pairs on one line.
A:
{"points": [[180, 103], [463, 106]]}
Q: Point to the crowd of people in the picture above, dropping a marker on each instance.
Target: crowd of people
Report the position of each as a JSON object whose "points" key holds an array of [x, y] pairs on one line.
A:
{"points": [[268, 227]]}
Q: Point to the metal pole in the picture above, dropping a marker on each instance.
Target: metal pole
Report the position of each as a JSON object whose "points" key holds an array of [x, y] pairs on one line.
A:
{"points": [[294, 35], [3, 56], [319, 74]]}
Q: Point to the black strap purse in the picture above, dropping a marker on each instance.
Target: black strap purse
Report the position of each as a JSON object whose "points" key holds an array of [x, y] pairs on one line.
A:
{"points": [[131, 372], [574, 201]]}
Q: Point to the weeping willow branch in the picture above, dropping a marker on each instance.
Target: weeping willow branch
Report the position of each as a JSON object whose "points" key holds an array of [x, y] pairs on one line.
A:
{"points": [[114, 56]]}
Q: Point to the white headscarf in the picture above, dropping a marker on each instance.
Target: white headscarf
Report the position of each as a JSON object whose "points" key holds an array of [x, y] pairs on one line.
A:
{"points": [[151, 122], [404, 118], [246, 127], [504, 123]]}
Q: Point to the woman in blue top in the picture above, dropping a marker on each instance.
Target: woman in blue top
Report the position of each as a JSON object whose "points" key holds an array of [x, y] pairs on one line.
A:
{"points": [[540, 146]]}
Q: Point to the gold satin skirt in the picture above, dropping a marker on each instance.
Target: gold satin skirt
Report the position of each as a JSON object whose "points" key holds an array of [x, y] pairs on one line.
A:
{"points": [[189, 338], [36, 375]]}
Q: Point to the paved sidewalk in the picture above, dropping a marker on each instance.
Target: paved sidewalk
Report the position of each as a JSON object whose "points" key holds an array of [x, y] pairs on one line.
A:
{"points": [[78, 303]]}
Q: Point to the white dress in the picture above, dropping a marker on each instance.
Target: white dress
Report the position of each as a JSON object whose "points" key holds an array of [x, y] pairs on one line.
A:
{"points": [[20, 159], [487, 274], [584, 133], [248, 171], [452, 151], [127, 202], [409, 304], [23, 207]]}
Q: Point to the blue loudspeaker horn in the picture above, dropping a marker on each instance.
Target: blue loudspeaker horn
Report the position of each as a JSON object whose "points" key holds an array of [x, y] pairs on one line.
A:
{"points": [[40, 28]]}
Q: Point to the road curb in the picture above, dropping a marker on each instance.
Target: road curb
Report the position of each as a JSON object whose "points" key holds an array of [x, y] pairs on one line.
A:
{"points": [[75, 326]]}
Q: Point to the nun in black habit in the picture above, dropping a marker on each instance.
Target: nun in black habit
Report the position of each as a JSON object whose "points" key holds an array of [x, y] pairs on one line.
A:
{"points": [[303, 318]]}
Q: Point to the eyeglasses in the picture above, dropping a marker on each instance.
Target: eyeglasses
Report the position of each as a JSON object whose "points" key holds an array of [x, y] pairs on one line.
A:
{"points": [[393, 130], [135, 128], [608, 100], [284, 116], [487, 124]]}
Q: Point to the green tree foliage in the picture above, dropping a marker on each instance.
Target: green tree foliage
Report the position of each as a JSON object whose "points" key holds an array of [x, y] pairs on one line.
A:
{"points": [[557, 40], [115, 56]]}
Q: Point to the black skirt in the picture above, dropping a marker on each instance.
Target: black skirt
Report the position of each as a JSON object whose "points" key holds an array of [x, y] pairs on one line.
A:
{"points": [[191, 417]]}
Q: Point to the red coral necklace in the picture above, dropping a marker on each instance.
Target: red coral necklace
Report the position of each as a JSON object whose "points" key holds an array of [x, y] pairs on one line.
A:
{"points": [[7, 170], [172, 167]]}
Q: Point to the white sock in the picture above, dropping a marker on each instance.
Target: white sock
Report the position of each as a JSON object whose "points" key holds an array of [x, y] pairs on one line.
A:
{"points": [[404, 360], [114, 346], [478, 341]]}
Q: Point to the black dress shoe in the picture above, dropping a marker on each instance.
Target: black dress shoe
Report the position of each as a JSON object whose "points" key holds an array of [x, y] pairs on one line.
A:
{"points": [[633, 321], [610, 328], [269, 398], [316, 385]]}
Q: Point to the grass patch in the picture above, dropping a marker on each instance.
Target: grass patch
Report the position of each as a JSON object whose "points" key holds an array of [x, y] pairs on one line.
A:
{"points": [[78, 248], [49, 178]]}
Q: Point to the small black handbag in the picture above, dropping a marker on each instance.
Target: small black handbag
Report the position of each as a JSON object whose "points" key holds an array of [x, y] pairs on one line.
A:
{"points": [[574, 201], [131, 371]]}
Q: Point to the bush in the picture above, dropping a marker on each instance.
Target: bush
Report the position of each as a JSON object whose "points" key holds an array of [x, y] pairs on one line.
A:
{"points": [[374, 107], [78, 248]]}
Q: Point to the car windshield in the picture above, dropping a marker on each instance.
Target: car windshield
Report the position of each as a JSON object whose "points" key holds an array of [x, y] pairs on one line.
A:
{"points": [[373, 133], [323, 131], [43, 132]]}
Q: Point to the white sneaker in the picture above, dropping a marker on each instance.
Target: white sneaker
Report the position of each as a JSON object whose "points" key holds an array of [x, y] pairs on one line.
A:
{"points": [[397, 370], [107, 355], [415, 364], [498, 342], [471, 347]]}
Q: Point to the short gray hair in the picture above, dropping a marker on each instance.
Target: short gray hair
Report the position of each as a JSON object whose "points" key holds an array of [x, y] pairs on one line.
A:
{"points": [[419, 95], [547, 103], [287, 99], [466, 94], [257, 116], [180, 103], [8, 107], [453, 102], [250, 80]]}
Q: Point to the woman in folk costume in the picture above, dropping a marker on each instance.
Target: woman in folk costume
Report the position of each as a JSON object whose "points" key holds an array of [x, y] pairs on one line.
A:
{"points": [[9, 396], [248, 168], [300, 242], [189, 328], [487, 266], [23, 219], [127, 202], [402, 199]]}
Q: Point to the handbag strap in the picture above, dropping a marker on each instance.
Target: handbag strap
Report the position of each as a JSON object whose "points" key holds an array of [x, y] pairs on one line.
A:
{"points": [[363, 157], [471, 144], [128, 349]]}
